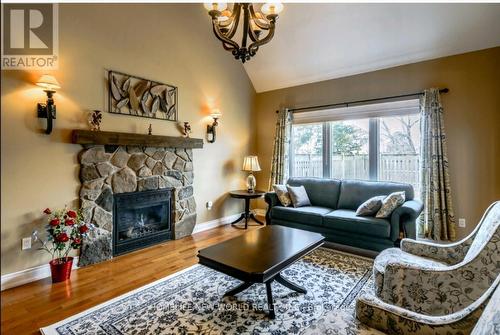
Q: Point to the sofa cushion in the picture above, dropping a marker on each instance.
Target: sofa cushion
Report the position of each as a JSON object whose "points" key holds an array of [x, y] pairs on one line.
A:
{"points": [[354, 192], [310, 215], [299, 197], [390, 203], [346, 220], [282, 193], [370, 207], [321, 192]]}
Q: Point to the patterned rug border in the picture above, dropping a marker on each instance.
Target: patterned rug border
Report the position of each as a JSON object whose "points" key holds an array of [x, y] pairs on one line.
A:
{"points": [[355, 290], [51, 329], [348, 253]]}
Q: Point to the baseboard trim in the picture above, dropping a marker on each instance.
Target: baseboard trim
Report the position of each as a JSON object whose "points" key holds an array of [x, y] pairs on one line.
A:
{"points": [[29, 275], [260, 211], [214, 223], [26, 276]]}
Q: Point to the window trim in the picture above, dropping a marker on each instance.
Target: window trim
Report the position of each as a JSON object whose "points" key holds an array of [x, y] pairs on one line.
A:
{"points": [[364, 111], [327, 128], [373, 147]]}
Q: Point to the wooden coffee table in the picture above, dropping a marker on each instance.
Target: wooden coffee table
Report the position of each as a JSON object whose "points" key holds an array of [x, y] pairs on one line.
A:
{"points": [[259, 256]]}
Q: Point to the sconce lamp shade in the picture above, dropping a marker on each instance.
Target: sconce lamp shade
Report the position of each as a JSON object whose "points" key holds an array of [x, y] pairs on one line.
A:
{"points": [[251, 163], [48, 82], [216, 113]]}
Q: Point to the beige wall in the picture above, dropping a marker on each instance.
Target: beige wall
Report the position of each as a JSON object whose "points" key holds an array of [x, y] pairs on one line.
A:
{"points": [[472, 118], [169, 43]]}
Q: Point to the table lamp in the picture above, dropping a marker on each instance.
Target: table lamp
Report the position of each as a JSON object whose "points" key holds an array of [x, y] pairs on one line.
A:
{"points": [[251, 164]]}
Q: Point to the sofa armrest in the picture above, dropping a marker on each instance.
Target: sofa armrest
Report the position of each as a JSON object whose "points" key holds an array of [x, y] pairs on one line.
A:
{"points": [[404, 219], [272, 200]]}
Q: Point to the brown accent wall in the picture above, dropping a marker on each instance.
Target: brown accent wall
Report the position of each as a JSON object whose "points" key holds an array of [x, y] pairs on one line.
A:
{"points": [[472, 118], [165, 42]]}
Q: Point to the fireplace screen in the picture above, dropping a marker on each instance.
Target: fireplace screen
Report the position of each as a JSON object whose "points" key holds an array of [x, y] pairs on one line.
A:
{"points": [[141, 219]]}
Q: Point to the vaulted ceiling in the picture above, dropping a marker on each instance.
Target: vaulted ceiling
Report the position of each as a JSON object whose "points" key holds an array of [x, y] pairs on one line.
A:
{"points": [[315, 42]]}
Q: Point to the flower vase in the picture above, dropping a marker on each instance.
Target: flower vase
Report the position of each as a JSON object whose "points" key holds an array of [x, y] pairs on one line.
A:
{"points": [[60, 268]]}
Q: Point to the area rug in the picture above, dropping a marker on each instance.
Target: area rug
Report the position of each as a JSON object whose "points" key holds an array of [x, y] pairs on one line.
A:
{"points": [[191, 302]]}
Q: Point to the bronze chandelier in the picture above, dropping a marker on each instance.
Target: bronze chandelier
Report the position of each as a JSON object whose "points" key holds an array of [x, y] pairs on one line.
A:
{"points": [[225, 23]]}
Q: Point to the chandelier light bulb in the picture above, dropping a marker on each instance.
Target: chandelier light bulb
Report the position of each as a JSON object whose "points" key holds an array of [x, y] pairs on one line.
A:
{"points": [[219, 6], [224, 16], [272, 8]]}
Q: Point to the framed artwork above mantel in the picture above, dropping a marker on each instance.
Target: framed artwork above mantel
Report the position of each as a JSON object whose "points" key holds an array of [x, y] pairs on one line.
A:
{"points": [[136, 96]]}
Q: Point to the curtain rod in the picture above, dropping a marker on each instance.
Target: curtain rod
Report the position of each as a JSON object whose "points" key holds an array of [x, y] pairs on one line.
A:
{"points": [[346, 104]]}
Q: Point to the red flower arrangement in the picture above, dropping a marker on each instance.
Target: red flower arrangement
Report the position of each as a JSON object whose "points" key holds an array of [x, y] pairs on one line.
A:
{"points": [[65, 232]]}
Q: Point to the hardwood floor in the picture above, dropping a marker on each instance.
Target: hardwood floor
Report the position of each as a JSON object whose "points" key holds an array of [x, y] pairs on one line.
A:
{"points": [[27, 308]]}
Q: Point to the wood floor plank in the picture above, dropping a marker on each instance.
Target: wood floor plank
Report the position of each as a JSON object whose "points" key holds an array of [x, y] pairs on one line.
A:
{"points": [[27, 308]]}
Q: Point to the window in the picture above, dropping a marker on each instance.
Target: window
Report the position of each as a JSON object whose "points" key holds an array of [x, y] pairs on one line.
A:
{"points": [[399, 149], [307, 141], [349, 149], [377, 142]]}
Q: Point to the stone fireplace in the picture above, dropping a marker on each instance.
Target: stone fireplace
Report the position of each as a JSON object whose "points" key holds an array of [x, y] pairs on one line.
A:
{"points": [[111, 174], [141, 219]]}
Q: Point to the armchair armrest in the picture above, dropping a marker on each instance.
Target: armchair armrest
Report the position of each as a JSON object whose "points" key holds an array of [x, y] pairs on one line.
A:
{"points": [[450, 254], [272, 200], [404, 218], [435, 289], [385, 317]]}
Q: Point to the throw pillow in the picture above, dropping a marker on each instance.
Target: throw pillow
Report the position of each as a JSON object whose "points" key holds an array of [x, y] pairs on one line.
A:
{"points": [[390, 203], [371, 206], [299, 196], [282, 193]]}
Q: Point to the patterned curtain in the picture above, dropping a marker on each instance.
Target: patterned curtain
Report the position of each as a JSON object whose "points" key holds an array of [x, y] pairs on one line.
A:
{"points": [[437, 221], [279, 163]]}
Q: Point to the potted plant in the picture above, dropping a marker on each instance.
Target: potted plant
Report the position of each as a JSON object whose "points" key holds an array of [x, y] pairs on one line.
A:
{"points": [[65, 232]]}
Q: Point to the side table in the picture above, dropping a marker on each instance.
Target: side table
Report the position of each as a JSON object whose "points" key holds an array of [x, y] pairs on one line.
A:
{"points": [[244, 194]]}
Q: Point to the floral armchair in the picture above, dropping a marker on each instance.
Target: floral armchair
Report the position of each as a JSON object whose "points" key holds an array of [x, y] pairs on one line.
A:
{"points": [[489, 322], [392, 319], [437, 280]]}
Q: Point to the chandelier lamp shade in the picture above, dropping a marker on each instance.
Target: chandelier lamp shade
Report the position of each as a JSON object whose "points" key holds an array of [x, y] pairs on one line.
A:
{"points": [[225, 23]]}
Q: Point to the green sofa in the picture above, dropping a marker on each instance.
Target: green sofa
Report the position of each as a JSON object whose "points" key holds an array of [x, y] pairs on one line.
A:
{"points": [[333, 212]]}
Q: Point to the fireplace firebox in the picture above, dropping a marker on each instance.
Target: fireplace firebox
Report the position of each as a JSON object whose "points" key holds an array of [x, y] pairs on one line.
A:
{"points": [[141, 219]]}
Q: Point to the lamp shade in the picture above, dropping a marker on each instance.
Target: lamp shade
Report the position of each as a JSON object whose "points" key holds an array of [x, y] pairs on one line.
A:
{"points": [[48, 82], [216, 113], [251, 163]]}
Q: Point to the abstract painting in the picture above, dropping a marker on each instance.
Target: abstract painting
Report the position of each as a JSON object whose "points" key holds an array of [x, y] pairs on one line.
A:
{"points": [[130, 95]]}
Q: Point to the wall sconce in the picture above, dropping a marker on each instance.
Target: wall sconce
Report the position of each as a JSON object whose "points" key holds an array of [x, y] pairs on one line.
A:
{"points": [[211, 134], [48, 110]]}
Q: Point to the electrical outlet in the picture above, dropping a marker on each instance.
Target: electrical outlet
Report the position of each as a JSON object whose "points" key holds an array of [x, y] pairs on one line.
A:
{"points": [[209, 205], [26, 243], [461, 223]]}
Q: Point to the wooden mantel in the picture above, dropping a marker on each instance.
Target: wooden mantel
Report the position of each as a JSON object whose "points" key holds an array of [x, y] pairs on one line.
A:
{"points": [[88, 137]]}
